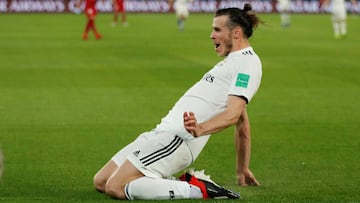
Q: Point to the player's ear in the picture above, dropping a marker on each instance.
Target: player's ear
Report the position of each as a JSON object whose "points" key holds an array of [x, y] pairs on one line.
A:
{"points": [[237, 32]]}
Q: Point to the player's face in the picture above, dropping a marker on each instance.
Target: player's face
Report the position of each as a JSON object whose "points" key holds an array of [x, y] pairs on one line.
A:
{"points": [[221, 36]]}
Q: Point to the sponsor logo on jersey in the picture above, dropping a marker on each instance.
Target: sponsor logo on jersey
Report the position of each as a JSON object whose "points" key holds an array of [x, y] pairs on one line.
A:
{"points": [[242, 80]]}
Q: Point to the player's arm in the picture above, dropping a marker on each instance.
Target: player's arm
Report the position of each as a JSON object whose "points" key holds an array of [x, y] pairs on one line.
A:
{"points": [[230, 116], [242, 138]]}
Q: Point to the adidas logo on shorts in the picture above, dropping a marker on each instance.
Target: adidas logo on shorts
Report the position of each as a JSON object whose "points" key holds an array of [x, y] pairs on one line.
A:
{"points": [[136, 153]]}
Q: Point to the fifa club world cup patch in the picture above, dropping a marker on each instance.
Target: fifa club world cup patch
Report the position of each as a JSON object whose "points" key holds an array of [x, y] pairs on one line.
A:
{"points": [[242, 80]]}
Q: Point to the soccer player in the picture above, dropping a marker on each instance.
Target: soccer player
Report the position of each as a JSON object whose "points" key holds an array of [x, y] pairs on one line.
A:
{"points": [[338, 16], [182, 12], [284, 10], [218, 100], [91, 12], [118, 7]]}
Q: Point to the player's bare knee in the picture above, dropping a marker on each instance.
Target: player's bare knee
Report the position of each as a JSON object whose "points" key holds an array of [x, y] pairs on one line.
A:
{"points": [[115, 191], [99, 183]]}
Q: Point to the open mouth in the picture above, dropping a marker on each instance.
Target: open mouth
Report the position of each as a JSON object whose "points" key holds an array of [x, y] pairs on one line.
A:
{"points": [[217, 45]]}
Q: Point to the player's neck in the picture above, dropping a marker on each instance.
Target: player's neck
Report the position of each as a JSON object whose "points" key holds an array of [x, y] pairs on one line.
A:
{"points": [[242, 45]]}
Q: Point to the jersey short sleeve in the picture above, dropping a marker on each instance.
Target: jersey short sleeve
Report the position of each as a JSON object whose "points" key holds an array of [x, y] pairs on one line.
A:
{"points": [[247, 73]]}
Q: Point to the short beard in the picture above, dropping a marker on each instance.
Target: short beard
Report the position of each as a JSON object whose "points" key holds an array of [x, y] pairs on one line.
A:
{"points": [[228, 46]]}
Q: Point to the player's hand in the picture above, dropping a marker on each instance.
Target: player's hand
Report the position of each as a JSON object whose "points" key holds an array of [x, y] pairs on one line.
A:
{"points": [[190, 123], [247, 178]]}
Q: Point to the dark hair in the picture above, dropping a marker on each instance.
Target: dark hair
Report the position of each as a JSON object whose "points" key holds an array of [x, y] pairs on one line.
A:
{"points": [[245, 18]]}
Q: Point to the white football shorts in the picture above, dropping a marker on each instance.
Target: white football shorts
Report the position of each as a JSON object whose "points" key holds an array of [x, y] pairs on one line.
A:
{"points": [[182, 11], [160, 154]]}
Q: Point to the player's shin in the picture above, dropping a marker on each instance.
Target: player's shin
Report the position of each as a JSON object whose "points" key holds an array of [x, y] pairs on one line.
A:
{"points": [[155, 189]]}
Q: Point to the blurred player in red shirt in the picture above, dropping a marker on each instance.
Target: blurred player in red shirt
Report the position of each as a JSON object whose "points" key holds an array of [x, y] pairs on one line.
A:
{"points": [[118, 7], [90, 12]]}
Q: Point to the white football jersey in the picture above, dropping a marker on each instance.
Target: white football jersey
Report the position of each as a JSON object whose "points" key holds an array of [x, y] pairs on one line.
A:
{"points": [[238, 74]]}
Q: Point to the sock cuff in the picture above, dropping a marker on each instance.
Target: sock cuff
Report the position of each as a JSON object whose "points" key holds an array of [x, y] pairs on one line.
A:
{"points": [[127, 194]]}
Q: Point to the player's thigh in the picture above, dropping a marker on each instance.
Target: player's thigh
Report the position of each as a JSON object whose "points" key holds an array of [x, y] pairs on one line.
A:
{"points": [[120, 157], [161, 156], [196, 145], [116, 161]]}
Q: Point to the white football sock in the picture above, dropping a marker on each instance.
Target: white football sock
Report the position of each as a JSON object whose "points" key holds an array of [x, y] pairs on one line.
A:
{"points": [[285, 19], [159, 189], [336, 28], [343, 28], [195, 192]]}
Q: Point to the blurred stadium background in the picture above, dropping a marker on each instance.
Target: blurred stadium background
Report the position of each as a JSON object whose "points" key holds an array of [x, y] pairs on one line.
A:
{"points": [[162, 6]]}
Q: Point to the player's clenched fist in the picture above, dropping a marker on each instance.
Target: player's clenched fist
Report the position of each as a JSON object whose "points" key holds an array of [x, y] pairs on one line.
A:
{"points": [[190, 123]]}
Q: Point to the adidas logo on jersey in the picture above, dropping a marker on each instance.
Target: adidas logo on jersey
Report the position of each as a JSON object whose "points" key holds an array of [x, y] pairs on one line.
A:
{"points": [[247, 52]]}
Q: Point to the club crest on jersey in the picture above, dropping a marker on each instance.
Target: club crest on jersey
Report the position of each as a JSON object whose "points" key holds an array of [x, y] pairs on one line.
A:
{"points": [[209, 78], [242, 80]]}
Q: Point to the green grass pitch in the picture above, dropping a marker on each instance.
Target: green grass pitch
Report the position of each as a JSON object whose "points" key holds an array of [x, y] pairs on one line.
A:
{"points": [[67, 105]]}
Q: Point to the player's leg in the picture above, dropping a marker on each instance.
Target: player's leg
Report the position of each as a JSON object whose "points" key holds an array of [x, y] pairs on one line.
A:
{"points": [[87, 26], [130, 183], [343, 28], [284, 9], [161, 156], [339, 23], [91, 14], [90, 25], [160, 188], [124, 174], [115, 19], [96, 33], [103, 175], [156, 156], [121, 9], [181, 17], [123, 18], [336, 25], [285, 19], [342, 23], [116, 14]]}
